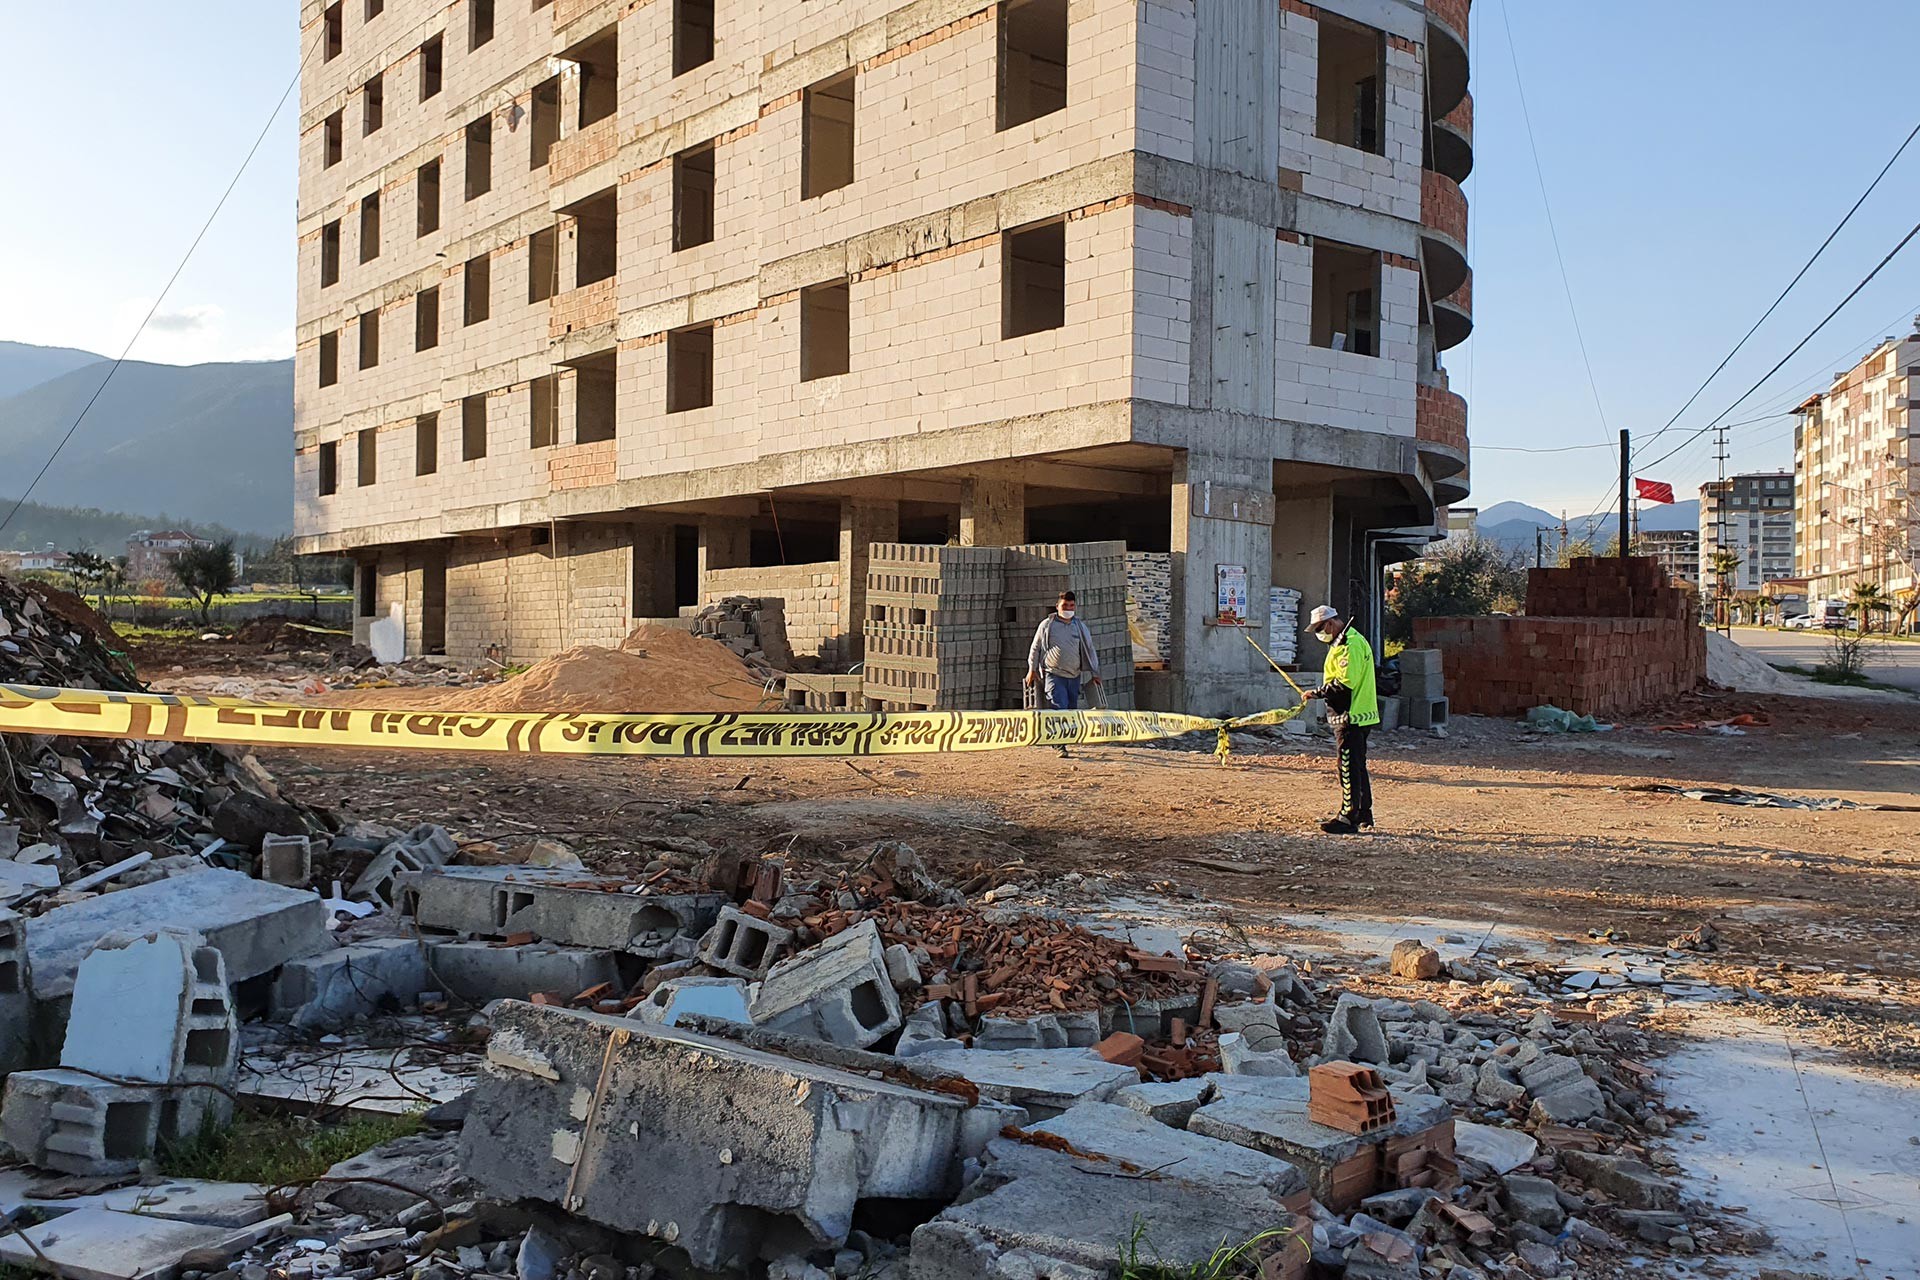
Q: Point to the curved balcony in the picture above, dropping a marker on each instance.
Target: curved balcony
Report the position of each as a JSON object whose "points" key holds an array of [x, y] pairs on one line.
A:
{"points": [[1440, 429], [1443, 232], [1453, 316], [1450, 147], [1446, 55]]}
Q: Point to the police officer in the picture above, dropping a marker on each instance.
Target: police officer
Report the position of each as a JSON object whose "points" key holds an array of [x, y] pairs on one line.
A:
{"points": [[1347, 687]]}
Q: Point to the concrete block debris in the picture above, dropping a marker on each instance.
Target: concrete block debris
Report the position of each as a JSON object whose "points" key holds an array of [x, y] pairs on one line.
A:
{"points": [[421, 849], [555, 904], [105, 1244], [680, 998], [1044, 1081], [351, 983], [79, 1124], [477, 972], [286, 860], [838, 991], [1353, 1032], [576, 1109], [744, 945], [16, 1000], [256, 927]]}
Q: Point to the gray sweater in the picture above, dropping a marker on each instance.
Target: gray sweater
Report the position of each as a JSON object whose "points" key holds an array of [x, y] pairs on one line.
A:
{"points": [[1074, 641]]}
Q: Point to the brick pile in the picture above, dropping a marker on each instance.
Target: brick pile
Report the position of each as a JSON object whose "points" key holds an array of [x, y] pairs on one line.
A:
{"points": [[1599, 637]]}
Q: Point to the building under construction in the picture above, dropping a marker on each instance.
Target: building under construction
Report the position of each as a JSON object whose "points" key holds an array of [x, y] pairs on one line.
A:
{"points": [[605, 306]]}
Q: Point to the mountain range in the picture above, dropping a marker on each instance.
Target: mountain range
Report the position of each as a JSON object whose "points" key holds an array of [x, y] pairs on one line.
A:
{"points": [[1512, 524], [209, 442]]}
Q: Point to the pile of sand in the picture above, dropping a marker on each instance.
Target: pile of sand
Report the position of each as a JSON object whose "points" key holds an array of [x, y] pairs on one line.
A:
{"points": [[657, 669], [1733, 667]]}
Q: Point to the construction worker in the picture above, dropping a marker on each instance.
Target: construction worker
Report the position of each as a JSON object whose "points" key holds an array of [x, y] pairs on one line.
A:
{"points": [[1347, 688]]}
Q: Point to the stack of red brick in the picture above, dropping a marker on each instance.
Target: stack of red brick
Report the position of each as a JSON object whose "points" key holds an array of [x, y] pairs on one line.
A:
{"points": [[1600, 637]]}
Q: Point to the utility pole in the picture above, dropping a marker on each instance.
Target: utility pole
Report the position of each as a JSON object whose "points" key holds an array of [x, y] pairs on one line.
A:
{"points": [[1538, 561], [1626, 483], [1721, 495]]}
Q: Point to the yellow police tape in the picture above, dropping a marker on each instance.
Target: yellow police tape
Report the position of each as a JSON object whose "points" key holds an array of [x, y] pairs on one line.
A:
{"points": [[188, 718]]}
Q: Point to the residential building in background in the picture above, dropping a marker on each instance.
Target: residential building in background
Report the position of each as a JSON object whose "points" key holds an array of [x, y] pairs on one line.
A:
{"points": [[1856, 467], [151, 555], [1463, 522], [1677, 550], [1751, 515], [602, 307], [47, 557]]}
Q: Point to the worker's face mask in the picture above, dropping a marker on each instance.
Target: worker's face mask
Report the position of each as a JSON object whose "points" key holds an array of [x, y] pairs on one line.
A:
{"points": [[1324, 634], [1066, 611]]}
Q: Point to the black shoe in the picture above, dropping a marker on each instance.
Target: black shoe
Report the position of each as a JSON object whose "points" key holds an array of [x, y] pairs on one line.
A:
{"points": [[1063, 753], [1364, 818], [1340, 825]]}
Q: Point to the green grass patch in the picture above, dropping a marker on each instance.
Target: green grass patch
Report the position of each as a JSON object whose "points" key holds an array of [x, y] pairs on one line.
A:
{"points": [[277, 1148], [1228, 1262]]}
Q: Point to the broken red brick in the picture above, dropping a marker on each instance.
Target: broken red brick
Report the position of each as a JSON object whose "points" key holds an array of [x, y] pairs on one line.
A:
{"points": [[1122, 1047]]}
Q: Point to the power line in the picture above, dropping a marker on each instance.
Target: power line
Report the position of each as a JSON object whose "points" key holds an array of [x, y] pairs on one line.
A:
{"points": [[1546, 204], [1798, 276], [171, 281], [1811, 335], [1514, 448]]}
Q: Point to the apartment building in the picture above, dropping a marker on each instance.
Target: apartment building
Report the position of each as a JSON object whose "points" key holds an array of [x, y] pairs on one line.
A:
{"points": [[1856, 467], [1751, 515], [1677, 550], [604, 304]]}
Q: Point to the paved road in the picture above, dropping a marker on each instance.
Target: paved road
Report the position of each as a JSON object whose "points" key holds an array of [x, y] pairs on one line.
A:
{"points": [[1891, 662]]}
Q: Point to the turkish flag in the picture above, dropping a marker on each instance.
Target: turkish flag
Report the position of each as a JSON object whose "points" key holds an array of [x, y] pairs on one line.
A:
{"points": [[1652, 490]]}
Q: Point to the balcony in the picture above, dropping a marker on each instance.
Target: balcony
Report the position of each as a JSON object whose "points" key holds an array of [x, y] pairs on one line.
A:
{"points": [[1440, 435], [581, 150], [1450, 148], [1446, 55], [1443, 232], [1453, 316]]}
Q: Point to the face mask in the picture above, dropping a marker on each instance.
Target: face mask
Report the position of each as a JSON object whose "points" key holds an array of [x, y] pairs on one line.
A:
{"points": [[1324, 636], [1067, 614]]}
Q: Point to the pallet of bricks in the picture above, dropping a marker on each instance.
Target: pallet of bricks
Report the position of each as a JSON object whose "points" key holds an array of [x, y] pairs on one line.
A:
{"points": [[932, 628], [1096, 572]]}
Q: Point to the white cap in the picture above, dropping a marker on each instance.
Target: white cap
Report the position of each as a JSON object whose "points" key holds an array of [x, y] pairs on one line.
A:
{"points": [[1322, 613]]}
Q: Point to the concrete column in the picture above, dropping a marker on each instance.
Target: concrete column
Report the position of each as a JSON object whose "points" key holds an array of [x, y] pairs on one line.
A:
{"points": [[726, 542], [1303, 550], [993, 512], [863, 521], [1222, 515]]}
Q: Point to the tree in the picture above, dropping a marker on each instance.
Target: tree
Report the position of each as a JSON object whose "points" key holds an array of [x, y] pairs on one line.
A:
{"points": [[205, 571], [1460, 577], [89, 572], [1578, 549], [1866, 599]]}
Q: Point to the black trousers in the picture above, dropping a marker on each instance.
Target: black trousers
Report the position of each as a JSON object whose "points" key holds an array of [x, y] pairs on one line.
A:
{"points": [[1356, 787]]}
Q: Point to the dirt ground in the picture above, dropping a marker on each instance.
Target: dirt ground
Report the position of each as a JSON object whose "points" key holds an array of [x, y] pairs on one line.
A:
{"points": [[1491, 824]]}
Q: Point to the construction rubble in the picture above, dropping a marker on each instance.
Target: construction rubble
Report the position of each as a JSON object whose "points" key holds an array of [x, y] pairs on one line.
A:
{"points": [[728, 1063]]}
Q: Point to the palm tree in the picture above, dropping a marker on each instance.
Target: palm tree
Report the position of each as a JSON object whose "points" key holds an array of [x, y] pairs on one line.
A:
{"points": [[1866, 599]]}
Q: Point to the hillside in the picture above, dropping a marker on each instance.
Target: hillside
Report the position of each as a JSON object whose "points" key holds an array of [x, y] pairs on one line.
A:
{"points": [[87, 529], [23, 365], [210, 443], [1513, 523]]}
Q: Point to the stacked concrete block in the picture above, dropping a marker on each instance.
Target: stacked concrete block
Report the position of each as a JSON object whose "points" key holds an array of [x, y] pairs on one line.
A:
{"points": [[838, 991], [421, 848], [825, 693], [809, 599], [744, 945], [16, 1002], [559, 905], [932, 629], [752, 627], [718, 1148], [1096, 572], [1283, 625], [1150, 597]]}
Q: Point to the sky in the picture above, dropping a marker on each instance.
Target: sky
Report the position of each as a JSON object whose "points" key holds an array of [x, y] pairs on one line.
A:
{"points": [[1693, 155]]}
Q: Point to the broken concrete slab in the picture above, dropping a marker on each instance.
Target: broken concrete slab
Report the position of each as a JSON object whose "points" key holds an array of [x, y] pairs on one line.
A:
{"points": [[1626, 1181], [1549, 1072], [1062, 1214], [479, 971], [256, 927], [555, 904], [744, 945], [222, 1204], [1045, 1081], [1257, 1051], [729, 1152], [75, 1123], [1125, 1136], [925, 1031], [837, 991], [1270, 1115], [1354, 1033], [1170, 1102], [1502, 1150], [330, 990], [23, 879], [103, 1244], [1535, 1200], [1569, 1104], [1042, 1031]]}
